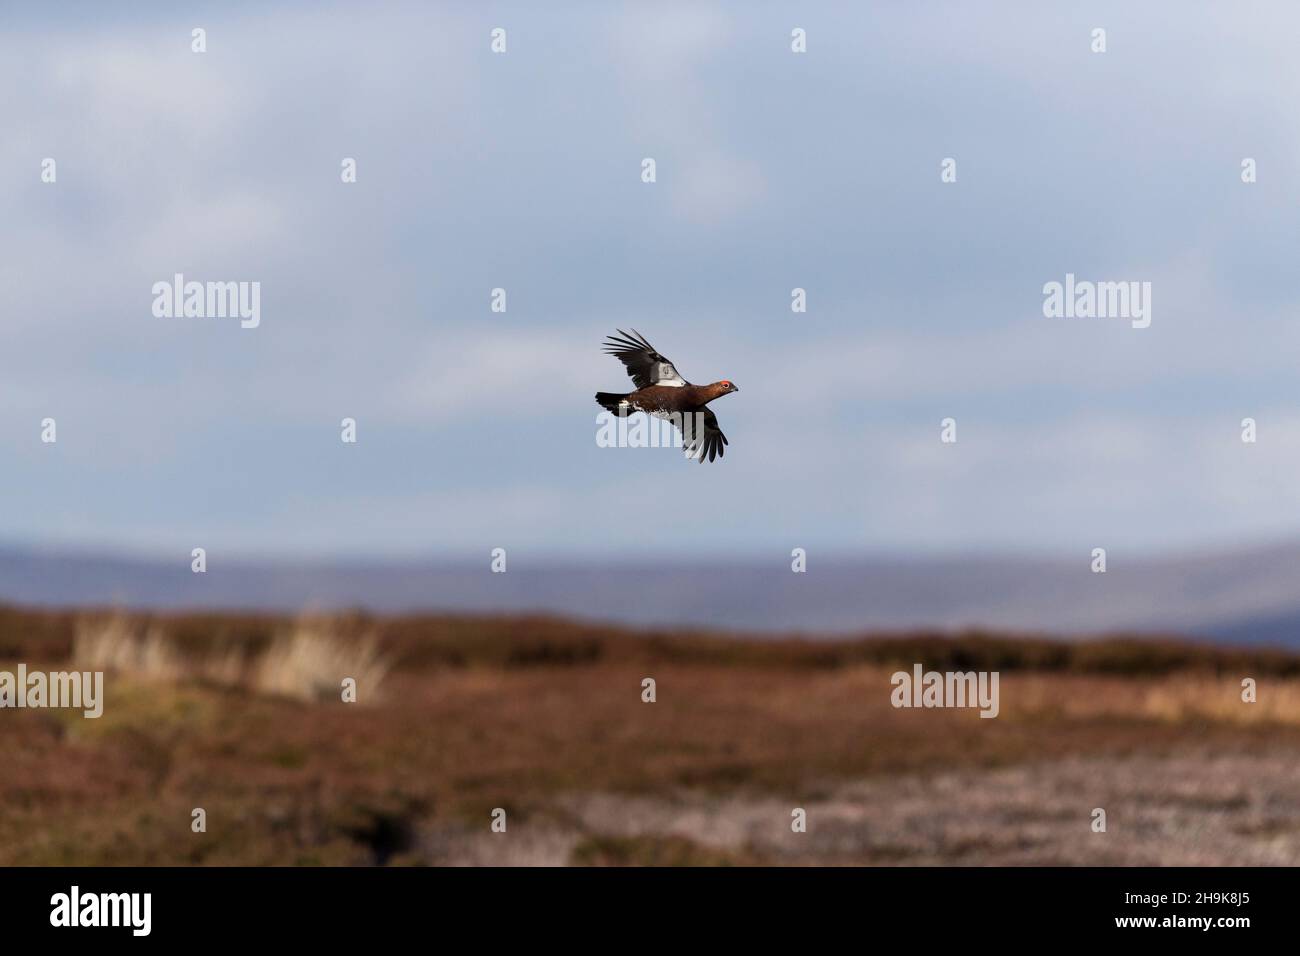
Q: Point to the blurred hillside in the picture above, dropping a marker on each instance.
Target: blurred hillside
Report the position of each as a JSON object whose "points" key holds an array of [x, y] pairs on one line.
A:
{"points": [[1245, 596]]}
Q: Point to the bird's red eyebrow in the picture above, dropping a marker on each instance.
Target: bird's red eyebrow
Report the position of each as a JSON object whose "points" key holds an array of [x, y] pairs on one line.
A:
{"points": [[725, 382]]}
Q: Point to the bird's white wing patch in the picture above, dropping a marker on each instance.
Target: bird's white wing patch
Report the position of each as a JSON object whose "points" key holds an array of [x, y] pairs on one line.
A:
{"points": [[665, 374]]}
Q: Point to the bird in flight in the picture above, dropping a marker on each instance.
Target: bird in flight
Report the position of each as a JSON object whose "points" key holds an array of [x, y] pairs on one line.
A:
{"points": [[661, 392]]}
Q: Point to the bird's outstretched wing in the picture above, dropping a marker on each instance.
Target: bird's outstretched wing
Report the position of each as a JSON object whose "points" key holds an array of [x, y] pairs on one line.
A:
{"points": [[710, 444], [646, 366]]}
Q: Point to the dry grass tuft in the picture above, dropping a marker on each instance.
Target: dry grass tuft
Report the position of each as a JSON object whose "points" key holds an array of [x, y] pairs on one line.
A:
{"points": [[308, 662], [1173, 699], [311, 661], [116, 643]]}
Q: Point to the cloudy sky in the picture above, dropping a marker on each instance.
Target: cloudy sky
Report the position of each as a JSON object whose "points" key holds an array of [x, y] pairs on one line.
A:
{"points": [[775, 170]]}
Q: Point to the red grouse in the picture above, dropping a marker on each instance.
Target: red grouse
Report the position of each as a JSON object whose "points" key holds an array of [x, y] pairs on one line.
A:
{"points": [[662, 393]]}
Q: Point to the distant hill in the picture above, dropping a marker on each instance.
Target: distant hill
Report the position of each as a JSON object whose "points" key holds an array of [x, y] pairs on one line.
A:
{"points": [[1246, 596]]}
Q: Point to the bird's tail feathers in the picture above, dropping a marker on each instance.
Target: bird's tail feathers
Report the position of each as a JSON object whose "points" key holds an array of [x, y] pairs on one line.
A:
{"points": [[610, 400]]}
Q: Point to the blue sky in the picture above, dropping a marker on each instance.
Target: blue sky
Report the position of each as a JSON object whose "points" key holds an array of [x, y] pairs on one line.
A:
{"points": [[775, 170]]}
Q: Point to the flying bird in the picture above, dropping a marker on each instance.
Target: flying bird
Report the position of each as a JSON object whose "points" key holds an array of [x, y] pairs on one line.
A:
{"points": [[661, 392]]}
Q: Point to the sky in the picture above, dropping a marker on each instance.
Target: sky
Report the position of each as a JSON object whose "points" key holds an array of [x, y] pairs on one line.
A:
{"points": [[775, 170]]}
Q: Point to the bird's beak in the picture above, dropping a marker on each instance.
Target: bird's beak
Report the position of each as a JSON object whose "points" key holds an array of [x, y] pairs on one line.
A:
{"points": [[735, 387]]}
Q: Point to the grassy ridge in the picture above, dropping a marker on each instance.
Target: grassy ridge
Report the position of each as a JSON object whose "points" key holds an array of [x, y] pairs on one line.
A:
{"points": [[417, 642]]}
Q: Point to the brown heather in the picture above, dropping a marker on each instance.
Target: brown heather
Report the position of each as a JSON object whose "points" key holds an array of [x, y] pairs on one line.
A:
{"points": [[240, 715]]}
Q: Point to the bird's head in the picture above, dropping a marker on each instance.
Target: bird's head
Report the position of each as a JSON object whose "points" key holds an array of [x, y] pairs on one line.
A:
{"points": [[724, 387]]}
